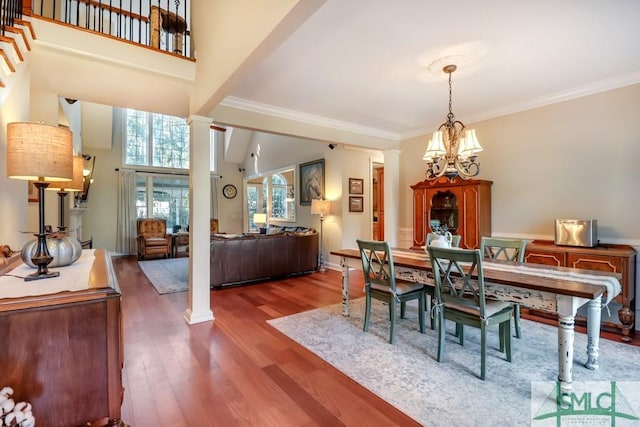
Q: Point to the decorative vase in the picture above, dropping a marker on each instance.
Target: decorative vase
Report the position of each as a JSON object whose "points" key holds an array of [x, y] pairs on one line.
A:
{"points": [[442, 241], [65, 250]]}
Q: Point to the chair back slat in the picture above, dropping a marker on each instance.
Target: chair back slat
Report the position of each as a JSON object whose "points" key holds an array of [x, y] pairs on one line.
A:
{"points": [[510, 250], [377, 263], [458, 273]]}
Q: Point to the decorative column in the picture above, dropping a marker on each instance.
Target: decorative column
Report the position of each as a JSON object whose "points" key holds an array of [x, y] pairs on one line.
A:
{"points": [[199, 300]]}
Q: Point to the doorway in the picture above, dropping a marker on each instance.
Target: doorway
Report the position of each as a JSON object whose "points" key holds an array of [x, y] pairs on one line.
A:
{"points": [[377, 191]]}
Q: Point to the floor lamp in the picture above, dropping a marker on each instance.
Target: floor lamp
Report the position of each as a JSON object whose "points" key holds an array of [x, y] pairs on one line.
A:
{"points": [[41, 153], [322, 208]]}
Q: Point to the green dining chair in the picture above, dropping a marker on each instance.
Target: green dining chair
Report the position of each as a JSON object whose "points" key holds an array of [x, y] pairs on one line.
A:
{"points": [[460, 297], [380, 283], [507, 250]]}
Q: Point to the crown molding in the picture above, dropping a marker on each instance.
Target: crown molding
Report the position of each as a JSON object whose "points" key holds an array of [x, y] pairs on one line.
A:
{"points": [[270, 110]]}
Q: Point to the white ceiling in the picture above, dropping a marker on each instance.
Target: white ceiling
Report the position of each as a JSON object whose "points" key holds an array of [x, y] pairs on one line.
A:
{"points": [[373, 66]]}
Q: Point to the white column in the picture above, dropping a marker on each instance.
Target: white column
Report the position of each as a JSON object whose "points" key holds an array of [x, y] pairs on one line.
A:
{"points": [[391, 195], [199, 309]]}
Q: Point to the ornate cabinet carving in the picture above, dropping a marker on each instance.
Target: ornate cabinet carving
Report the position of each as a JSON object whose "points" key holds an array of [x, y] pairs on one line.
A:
{"points": [[463, 206], [604, 257]]}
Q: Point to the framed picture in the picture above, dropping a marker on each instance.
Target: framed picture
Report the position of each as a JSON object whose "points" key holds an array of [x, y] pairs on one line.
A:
{"points": [[356, 204], [356, 186], [311, 181], [33, 192]]}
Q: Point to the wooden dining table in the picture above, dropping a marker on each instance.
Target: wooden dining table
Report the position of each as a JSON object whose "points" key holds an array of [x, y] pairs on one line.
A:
{"points": [[562, 293]]}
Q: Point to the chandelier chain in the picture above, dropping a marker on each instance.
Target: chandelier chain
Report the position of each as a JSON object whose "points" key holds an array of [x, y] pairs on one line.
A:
{"points": [[450, 116]]}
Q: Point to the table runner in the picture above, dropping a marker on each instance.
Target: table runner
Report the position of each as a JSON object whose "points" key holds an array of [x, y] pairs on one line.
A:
{"points": [[73, 277], [611, 283]]}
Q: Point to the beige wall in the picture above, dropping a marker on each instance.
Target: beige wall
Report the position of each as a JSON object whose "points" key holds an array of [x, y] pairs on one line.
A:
{"points": [[575, 159]]}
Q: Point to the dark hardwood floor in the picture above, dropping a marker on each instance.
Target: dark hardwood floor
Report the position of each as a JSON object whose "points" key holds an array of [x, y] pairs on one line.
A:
{"points": [[237, 370]]}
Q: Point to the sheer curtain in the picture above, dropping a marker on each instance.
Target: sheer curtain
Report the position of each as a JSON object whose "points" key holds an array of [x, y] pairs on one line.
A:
{"points": [[214, 196], [126, 234]]}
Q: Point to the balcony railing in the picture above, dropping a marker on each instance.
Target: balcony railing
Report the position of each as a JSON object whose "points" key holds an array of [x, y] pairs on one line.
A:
{"points": [[10, 10], [161, 24]]}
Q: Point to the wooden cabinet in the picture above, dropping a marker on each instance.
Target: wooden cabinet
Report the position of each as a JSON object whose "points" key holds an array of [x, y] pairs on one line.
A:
{"points": [[463, 206], [62, 350], [604, 257]]}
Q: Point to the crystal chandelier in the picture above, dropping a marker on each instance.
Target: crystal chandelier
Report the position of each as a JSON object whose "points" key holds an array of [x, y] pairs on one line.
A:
{"points": [[447, 152]]}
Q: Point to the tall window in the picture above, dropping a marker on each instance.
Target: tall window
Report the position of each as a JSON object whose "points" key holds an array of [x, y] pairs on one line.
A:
{"points": [[163, 197], [159, 142], [156, 140]]}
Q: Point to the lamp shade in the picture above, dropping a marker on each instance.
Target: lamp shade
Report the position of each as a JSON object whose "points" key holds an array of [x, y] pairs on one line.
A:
{"points": [[259, 218], [320, 207], [76, 184], [436, 147], [37, 151]]}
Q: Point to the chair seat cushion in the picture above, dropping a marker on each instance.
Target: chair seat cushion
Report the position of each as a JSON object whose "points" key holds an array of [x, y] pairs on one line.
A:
{"points": [[402, 287], [470, 306], [156, 241]]}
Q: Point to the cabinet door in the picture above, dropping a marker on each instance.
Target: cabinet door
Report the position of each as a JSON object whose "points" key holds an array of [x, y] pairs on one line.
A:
{"points": [[420, 214], [470, 214], [598, 263]]}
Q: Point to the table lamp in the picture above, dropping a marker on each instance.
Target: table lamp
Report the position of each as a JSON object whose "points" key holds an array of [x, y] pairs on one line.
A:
{"points": [[322, 208], [63, 188], [260, 219], [40, 153]]}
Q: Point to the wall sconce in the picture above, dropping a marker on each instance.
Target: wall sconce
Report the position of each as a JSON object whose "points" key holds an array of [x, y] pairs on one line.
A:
{"points": [[41, 153]]}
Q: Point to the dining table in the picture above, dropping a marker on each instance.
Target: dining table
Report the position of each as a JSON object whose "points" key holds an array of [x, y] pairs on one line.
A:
{"points": [[559, 290]]}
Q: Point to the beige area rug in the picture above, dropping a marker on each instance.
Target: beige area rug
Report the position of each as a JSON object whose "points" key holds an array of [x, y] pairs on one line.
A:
{"points": [[450, 393], [167, 275]]}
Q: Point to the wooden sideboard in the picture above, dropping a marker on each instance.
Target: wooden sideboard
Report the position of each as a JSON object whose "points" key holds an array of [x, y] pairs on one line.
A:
{"points": [[62, 351], [604, 257]]}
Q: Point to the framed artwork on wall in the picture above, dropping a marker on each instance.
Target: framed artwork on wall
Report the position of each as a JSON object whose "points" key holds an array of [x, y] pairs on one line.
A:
{"points": [[356, 204], [33, 193], [311, 181], [356, 186]]}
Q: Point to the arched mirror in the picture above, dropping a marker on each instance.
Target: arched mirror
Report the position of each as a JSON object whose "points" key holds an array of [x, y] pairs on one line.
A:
{"points": [[273, 194], [82, 197]]}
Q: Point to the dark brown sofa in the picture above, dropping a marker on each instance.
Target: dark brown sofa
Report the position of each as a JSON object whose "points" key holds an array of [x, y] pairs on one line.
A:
{"points": [[245, 258]]}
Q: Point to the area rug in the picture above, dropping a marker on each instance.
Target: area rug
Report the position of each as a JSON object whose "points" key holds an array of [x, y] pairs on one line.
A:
{"points": [[408, 376], [167, 275]]}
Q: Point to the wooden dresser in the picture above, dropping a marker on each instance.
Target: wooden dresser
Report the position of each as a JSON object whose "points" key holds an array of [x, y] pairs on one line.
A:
{"points": [[62, 344], [604, 257]]}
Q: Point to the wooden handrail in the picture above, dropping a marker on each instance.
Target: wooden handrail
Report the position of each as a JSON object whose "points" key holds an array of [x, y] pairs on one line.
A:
{"points": [[117, 10]]}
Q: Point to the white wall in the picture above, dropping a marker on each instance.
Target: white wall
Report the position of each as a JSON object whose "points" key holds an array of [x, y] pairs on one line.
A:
{"points": [[13, 193], [575, 159]]}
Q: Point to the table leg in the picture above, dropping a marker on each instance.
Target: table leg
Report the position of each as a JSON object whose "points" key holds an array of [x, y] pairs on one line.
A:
{"points": [[594, 315], [565, 351], [345, 286]]}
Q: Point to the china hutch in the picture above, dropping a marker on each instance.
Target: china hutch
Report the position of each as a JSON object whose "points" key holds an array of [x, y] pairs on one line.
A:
{"points": [[461, 206]]}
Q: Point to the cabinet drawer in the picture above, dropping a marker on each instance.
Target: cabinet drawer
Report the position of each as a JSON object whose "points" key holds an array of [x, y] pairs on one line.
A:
{"points": [[595, 262], [557, 259]]}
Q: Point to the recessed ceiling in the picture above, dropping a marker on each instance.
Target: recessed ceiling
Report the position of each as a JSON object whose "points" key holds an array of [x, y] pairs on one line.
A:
{"points": [[376, 66]]}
